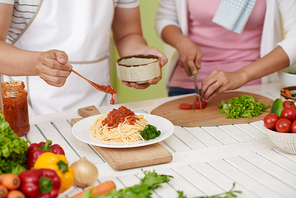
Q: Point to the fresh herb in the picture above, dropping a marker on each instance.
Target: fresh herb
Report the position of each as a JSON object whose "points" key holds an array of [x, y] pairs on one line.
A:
{"points": [[150, 132], [12, 150], [229, 194], [242, 107], [292, 72], [149, 182]]}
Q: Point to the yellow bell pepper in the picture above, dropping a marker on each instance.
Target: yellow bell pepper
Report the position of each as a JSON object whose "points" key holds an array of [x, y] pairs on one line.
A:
{"points": [[59, 164]]}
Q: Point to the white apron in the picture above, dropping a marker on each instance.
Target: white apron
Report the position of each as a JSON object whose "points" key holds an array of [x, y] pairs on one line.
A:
{"points": [[82, 30]]}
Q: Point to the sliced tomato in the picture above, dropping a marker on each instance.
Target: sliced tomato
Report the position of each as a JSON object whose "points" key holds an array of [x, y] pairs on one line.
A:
{"points": [[185, 106], [196, 103]]}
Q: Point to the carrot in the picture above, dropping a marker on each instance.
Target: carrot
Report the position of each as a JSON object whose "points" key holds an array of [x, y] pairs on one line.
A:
{"points": [[10, 181], [15, 194], [100, 189], [3, 191], [287, 92]]}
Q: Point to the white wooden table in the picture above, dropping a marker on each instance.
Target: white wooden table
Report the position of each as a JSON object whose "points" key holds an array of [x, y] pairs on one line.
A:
{"points": [[206, 160]]}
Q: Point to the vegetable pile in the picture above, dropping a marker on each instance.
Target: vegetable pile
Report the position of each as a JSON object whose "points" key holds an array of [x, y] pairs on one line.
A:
{"points": [[9, 184], [281, 117], [287, 92], [150, 132], [12, 150], [242, 107]]}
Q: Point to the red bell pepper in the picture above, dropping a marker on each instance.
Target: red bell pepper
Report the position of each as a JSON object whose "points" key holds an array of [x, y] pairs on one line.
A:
{"points": [[40, 183], [35, 150]]}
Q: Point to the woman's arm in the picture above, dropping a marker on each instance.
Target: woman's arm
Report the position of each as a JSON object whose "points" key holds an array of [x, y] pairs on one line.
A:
{"points": [[280, 57], [189, 53], [218, 81]]}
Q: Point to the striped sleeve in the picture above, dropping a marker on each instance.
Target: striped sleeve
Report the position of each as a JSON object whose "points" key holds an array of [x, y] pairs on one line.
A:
{"points": [[7, 1], [127, 3], [22, 14]]}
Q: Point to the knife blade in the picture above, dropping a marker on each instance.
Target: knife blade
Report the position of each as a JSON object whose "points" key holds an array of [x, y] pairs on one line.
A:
{"points": [[197, 90]]}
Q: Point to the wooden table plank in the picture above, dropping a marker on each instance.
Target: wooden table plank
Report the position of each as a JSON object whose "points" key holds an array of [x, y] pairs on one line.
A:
{"points": [[276, 171], [221, 179], [262, 176], [191, 141], [198, 180], [204, 137], [220, 135], [280, 160], [244, 179], [252, 131], [236, 133], [81, 148]]}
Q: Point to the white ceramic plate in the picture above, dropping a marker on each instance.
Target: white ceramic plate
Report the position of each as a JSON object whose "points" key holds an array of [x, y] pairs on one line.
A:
{"points": [[81, 131]]}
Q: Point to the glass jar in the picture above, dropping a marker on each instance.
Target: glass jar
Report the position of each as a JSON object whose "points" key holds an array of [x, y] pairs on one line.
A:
{"points": [[15, 106]]}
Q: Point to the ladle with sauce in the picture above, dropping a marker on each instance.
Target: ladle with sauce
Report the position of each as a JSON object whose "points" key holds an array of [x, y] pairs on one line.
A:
{"points": [[103, 88]]}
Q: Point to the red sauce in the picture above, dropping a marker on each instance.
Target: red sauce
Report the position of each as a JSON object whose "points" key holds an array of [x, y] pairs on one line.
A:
{"points": [[108, 89], [112, 101], [117, 116], [15, 106]]}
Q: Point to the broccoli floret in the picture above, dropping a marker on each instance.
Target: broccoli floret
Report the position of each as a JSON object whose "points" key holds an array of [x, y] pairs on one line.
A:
{"points": [[150, 132]]}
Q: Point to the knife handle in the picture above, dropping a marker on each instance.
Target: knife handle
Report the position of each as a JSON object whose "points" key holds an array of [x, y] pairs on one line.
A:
{"points": [[193, 74]]}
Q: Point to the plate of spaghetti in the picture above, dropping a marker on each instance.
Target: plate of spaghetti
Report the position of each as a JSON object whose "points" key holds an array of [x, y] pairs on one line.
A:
{"points": [[122, 128]]}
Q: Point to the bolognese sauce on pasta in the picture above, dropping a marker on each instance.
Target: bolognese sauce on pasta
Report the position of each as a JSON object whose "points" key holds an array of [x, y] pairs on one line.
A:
{"points": [[119, 126]]}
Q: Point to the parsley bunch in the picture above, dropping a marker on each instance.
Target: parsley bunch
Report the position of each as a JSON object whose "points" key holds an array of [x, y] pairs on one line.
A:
{"points": [[242, 107], [149, 182], [150, 132]]}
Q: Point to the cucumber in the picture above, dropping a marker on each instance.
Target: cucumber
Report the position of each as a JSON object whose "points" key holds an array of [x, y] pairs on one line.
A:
{"points": [[277, 107]]}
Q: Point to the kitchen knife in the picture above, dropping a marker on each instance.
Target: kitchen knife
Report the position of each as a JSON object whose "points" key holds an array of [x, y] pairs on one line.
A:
{"points": [[197, 90]]}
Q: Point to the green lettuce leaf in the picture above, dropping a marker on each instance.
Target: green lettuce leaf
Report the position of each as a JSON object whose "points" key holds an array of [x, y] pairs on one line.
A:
{"points": [[13, 149]]}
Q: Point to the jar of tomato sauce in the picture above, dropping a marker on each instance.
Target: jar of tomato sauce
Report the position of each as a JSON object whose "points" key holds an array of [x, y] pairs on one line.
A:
{"points": [[15, 106]]}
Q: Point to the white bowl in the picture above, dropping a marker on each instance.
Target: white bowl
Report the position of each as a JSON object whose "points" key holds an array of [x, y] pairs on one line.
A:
{"points": [[285, 141], [286, 78], [138, 68]]}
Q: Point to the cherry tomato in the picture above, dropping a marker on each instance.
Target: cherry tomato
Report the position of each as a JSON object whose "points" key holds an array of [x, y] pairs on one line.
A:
{"points": [[293, 127], [289, 103], [185, 106], [196, 103], [270, 120], [289, 113], [283, 125]]}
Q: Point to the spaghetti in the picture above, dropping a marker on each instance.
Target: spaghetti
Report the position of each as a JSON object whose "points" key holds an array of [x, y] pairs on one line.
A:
{"points": [[120, 126]]}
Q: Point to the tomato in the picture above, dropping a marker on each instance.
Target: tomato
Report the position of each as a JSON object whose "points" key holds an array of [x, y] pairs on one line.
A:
{"points": [[196, 103], [185, 106], [293, 127], [270, 120], [289, 113], [289, 103], [283, 125]]}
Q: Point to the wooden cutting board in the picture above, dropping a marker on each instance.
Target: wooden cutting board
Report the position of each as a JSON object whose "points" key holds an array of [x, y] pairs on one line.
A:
{"points": [[210, 116], [128, 158]]}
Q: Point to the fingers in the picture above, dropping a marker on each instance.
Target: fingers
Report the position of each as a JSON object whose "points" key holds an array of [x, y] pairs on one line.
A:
{"points": [[53, 68], [136, 85], [216, 83], [163, 59]]}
